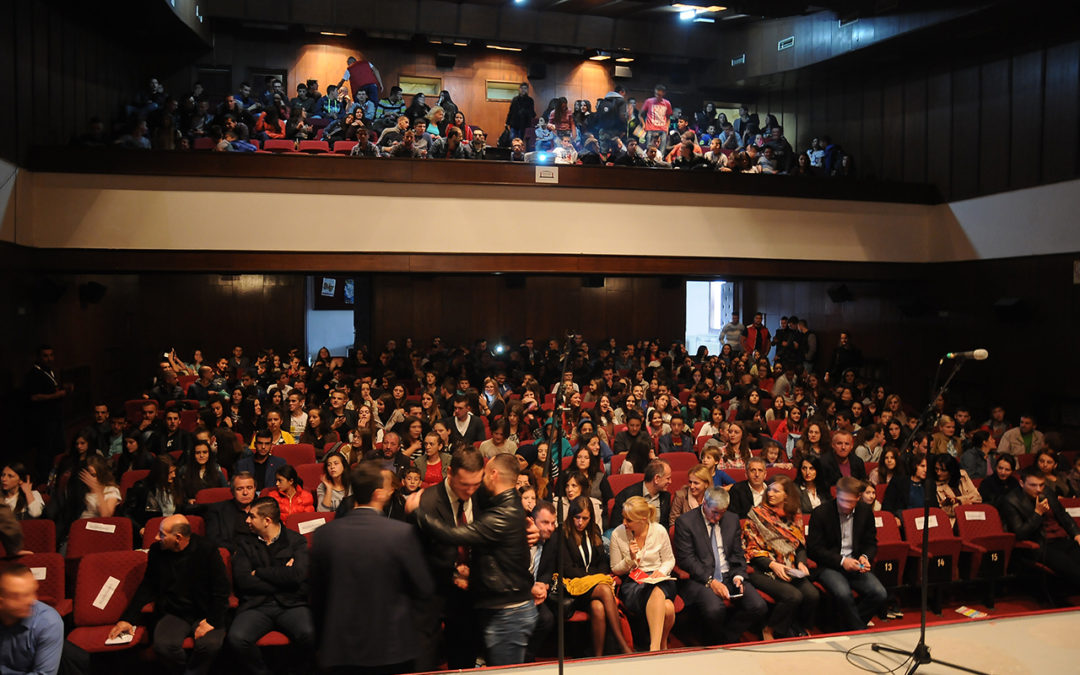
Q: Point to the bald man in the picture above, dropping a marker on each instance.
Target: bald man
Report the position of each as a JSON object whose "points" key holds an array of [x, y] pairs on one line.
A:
{"points": [[185, 579]]}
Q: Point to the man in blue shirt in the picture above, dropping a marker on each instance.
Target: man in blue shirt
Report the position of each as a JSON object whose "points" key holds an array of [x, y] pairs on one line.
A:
{"points": [[31, 632]]}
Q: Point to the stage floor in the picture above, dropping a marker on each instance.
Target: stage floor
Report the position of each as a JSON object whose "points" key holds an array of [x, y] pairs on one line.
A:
{"points": [[1047, 642]]}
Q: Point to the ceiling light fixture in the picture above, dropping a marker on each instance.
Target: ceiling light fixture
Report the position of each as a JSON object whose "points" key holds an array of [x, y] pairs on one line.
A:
{"points": [[503, 48], [332, 34], [625, 59]]}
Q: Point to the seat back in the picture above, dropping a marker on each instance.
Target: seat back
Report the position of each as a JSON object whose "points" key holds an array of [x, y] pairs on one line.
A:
{"points": [[977, 520], [39, 535], [1072, 507], [150, 532], [203, 143], [48, 569], [94, 605], [313, 146], [96, 535], [279, 145], [619, 482], [307, 523], [130, 477], [887, 529], [296, 454], [616, 463], [311, 473], [213, 495], [680, 462], [940, 526], [778, 471]]}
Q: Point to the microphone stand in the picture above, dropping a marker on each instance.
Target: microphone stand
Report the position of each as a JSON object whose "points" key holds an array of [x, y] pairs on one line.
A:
{"points": [[920, 655], [553, 469]]}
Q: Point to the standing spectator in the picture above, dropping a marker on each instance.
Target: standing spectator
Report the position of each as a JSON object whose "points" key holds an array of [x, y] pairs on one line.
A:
{"points": [[185, 579], [45, 413], [732, 333], [757, 338], [502, 590], [845, 357], [1023, 439], [270, 575], [362, 76], [657, 112], [351, 637]]}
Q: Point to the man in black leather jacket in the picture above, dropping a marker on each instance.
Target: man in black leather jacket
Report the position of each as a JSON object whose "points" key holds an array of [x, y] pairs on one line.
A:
{"points": [[1033, 516], [499, 579]]}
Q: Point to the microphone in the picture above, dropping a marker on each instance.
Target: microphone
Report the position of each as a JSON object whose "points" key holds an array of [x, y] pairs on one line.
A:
{"points": [[977, 354]]}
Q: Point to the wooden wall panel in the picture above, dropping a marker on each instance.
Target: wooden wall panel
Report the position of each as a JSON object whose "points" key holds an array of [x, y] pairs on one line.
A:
{"points": [[915, 128], [939, 128], [1025, 119], [994, 120], [965, 133], [1061, 109], [893, 141], [871, 159]]}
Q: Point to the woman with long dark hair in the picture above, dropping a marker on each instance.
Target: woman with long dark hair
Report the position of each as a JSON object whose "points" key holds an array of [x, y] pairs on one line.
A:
{"points": [[157, 495], [586, 573], [200, 471], [953, 485], [18, 493]]}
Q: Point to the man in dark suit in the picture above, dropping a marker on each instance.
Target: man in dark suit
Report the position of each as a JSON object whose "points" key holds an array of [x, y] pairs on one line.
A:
{"points": [[749, 493], [226, 521], [843, 542], [262, 465], [364, 605], [464, 426], [841, 461], [452, 502], [653, 488], [708, 547], [1025, 513]]}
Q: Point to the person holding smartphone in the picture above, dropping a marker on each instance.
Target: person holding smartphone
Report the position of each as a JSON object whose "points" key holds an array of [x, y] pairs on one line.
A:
{"points": [[1035, 516]]}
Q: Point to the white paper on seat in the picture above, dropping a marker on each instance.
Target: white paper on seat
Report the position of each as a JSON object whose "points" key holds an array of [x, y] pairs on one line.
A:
{"points": [[121, 639], [919, 524], [806, 528], [878, 522], [310, 525], [1073, 511], [40, 572], [974, 515], [108, 528], [106, 593]]}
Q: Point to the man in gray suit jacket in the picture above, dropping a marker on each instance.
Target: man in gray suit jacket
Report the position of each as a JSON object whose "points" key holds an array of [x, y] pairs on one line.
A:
{"points": [[364, 605], [708, 547]]}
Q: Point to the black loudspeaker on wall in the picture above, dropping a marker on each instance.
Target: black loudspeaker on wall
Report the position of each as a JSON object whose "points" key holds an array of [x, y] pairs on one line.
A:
{"points": [[537, 70], [444, 60], [840, 293]]}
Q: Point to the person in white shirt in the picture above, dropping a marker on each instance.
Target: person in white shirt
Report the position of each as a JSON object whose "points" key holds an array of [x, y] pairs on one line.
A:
{"points": [[641, 554], [18, 493]]}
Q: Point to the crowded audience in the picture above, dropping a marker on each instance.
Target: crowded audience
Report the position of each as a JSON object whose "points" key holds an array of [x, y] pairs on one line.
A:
{"points": [[480, 451], [368, 120]]}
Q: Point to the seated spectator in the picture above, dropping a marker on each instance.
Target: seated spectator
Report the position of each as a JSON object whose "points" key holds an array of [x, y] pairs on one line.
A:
{"points": [[869, 443], [945, 439], [978, 460], [842, 540], [710, 459], [690, 496], [136, 138], [270, 574], [841, 461], [261, 464], [1072, 478], [953, 485], [200, 470], [1001, 482], [1022, 439], [334, 485], [136, 454], [436, 118], [773, 455], [228, 519], [274, 419], [677, 440], [776, 551], [641, 452], [478, 144], [459, 123], [889, 466], [640, 551], [1032, 515], [290, 493], [653, 489], [1056, 484], [747, 494], [586, 576], [17, 492], [269, 125], [297, 128], [232, 137], [155, 496], [909, 491], [418, 109], [434, 463], [185, 579], [31, 632], [810, 495], [498, 443], [318, 432], [350, 127]]}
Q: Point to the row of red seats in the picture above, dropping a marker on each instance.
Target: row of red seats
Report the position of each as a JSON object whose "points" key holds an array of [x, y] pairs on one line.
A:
{"points": [[282, 146]]}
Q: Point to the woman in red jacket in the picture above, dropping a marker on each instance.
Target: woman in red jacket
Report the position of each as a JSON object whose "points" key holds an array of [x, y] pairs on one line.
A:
{"points": [[289, 493]]}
